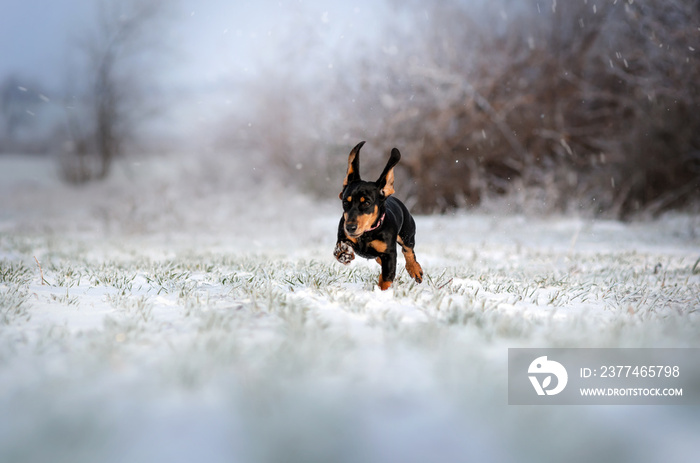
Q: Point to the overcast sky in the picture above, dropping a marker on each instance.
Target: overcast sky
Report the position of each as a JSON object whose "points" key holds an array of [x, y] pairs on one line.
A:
{"points": [[211, 40], [34, 35]]}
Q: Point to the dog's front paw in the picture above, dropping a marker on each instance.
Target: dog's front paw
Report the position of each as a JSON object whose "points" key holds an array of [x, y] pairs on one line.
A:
{"points": [[344, 253]]}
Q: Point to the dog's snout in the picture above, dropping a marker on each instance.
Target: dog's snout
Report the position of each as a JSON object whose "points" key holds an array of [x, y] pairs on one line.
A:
{"points": [[351, 228]]}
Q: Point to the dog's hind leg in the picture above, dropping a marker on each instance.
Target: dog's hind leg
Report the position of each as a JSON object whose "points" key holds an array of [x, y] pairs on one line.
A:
{"points": [[412, 266]]}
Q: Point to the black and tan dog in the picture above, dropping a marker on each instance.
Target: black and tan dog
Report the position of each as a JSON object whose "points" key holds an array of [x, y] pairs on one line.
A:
{"points": [[374, 221]]}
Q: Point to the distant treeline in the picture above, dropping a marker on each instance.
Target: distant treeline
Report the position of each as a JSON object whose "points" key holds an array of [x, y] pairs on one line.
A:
{"points": [[547, 106]]}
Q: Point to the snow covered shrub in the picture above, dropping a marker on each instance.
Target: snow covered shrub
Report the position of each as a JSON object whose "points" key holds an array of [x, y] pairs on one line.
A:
{"points": [[593, 105], [556, 106]]}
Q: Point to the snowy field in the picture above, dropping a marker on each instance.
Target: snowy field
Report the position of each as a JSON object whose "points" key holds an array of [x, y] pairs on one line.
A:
{"points": [[195, 313]]}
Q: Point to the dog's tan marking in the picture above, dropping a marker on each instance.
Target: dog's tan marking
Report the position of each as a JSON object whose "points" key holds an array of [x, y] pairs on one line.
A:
{"points": [[365, 221], [384, 285], [351, 170], [412, 266], [379, 246], [389, 187], [353, 163]]}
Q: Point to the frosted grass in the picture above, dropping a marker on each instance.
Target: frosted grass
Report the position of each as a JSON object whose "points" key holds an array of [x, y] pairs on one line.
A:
{"points": [[233, 335]]}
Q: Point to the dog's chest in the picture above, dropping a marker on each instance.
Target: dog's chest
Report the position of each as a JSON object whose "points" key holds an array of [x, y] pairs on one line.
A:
{"points": [[369, 247]]}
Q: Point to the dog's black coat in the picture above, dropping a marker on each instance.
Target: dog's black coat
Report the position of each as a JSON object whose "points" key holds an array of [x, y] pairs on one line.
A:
{"points": [[373, 221]]}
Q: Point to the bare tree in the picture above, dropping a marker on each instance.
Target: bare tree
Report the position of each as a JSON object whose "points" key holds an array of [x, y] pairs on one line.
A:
{"points": [[116, 53]]}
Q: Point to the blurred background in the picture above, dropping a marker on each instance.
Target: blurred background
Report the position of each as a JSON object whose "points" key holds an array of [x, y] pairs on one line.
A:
{"points": [[538, 106]]}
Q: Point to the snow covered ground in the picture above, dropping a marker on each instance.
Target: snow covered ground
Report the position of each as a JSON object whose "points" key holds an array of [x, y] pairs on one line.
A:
{"points": [[193, 312]]}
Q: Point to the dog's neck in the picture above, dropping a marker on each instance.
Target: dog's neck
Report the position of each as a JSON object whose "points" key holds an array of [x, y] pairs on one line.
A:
{"points": [[379, 223]]}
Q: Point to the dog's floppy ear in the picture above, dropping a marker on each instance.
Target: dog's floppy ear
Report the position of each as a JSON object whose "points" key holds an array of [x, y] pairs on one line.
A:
{"points": [[353, 174], [386, 180]]}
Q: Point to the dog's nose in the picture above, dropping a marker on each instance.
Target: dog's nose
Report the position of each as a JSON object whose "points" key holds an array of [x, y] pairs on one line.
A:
{"points": [[351, 227]]}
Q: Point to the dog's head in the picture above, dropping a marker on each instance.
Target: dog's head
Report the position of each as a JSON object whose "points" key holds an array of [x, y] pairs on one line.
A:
{"points": [[363, 202]]}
